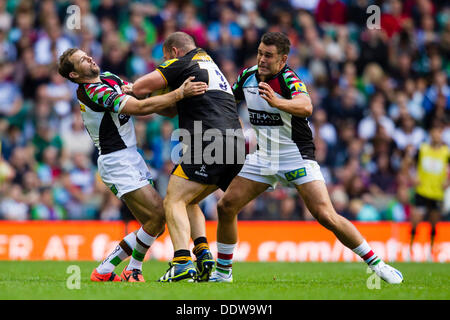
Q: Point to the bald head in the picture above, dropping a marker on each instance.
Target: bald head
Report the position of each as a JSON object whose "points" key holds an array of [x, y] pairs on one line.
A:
{"points": [[179, 40]]}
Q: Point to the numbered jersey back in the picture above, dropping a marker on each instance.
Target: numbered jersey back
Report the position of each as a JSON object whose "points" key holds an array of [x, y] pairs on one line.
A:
{"points": [[216, 79], [217, 107]]}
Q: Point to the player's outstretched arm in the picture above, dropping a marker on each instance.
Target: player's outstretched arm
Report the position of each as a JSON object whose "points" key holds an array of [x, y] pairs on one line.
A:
{"points": [[170, 111], [148, 83], [300, 105], [157, 104]]}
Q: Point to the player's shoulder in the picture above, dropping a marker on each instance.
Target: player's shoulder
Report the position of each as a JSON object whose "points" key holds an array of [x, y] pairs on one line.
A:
{"points": [[88, 88], [293, 81], [289, 74], [249, 71], [424, 147], [107, 74], [167, 63], [246, 73]]}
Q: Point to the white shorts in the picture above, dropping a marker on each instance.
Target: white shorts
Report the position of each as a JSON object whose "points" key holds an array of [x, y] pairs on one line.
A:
{"points": [[289, 173], [124, 171]]}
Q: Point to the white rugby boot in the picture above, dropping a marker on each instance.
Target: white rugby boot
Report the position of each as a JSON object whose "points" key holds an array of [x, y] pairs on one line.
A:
{"points": [[218, 276], [387, 273]]}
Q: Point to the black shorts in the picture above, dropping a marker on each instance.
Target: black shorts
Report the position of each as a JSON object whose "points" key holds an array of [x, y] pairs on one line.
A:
{"points": [[427, 203], [222, 167], [220, 175]]}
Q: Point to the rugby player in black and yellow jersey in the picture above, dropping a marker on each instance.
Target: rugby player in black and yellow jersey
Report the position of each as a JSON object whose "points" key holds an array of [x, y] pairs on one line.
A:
{"points": [[433, 161], [195, 177]]}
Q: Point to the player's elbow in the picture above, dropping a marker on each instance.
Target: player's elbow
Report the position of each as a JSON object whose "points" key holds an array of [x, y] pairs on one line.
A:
{"points": [[304, 111], [303, 106], [308, 110]]}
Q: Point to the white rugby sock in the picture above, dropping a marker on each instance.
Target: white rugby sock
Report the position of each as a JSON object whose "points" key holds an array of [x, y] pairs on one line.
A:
{"points": [[143, 243], [120, 253]]}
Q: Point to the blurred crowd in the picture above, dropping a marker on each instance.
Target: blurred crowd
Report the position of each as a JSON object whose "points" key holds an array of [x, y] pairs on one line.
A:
{"points": [[376, 92]]}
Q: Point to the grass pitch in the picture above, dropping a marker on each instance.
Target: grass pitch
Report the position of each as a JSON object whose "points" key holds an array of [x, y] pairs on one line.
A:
{"points": [[48, 280]]}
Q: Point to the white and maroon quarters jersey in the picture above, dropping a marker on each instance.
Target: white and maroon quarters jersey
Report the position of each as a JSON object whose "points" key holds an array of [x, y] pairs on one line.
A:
{"points": [[278, 133], [101, 104]]}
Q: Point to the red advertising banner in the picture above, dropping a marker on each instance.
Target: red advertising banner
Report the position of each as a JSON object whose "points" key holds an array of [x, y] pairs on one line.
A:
{"points": [[258, 241]]}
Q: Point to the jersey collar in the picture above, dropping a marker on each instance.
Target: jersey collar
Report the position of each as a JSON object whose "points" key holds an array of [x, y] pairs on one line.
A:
{"points": [[274, 76]]}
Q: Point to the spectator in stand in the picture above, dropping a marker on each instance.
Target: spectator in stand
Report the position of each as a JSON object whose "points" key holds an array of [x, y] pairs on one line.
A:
{"points": [[437, 98], [192, 26], [75, 138], [7, 174], [52, 43], [394, 19], [227, 27], [368, 126], [162, 145], [10, 95], [322, 128], [49, 170], [46, 208], [382, 179], [110, 208], [12, 206], [138, 27], [12, 138], [331, 12], [57, 93], [408, 134]]}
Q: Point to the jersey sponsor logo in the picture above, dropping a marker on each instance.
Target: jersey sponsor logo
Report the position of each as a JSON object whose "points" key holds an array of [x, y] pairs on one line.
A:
{"points": [[167, 63], [123, 118], [263, 118], [300, 87], [202, 171], [432, 165], [295, 174], [110, 100], [82, 107], [114, 189]]}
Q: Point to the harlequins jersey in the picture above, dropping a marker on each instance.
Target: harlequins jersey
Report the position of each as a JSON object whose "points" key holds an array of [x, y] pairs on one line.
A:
{"points": [[100, 105], [293, 132]]}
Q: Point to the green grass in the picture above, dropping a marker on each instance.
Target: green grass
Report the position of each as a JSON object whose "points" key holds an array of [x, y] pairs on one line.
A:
{"points": [[252, 281]]}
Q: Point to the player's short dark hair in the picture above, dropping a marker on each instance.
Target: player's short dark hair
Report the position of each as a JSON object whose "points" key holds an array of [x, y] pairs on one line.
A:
{"points": [[279, 40], [179, 40], [65, 66]]}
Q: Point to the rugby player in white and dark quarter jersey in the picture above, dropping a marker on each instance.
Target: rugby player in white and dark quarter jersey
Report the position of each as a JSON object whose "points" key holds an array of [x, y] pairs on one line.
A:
{"points": [[278, 105], [106, 112], [195, 177]]}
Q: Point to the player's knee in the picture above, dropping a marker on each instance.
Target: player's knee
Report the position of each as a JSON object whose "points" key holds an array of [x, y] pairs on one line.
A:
{"points": [[225, 209], [167, 202], [328, 219]]}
